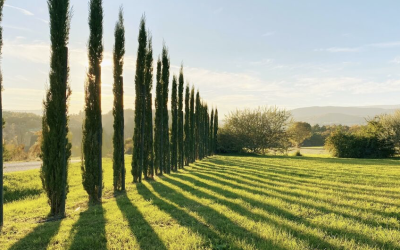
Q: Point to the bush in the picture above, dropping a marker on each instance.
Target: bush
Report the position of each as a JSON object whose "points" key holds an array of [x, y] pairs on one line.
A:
{"points": [[298, 153], [371, 141]]}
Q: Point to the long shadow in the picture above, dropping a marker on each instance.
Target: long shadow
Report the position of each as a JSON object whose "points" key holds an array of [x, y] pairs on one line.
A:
{"points": [[314, 241], [247, 169], [244, 179], [141, 229], [89, 231], [303, 203], [221, 223], [16, 195], [39, 238], [332, 231]]}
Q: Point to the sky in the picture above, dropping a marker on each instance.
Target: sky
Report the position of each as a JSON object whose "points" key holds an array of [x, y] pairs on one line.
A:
{"points": [[239, 54]]}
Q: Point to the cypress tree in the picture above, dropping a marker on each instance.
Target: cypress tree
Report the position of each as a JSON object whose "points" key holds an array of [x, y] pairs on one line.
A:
{"points": [[197, 127], [211, 133], [215, 143], [1, 119], [149, 154], [140, 106], [92, 172], [187, 145], [174, 129], [206, 131], [118, 110], [158, 134], [192, 128], [180, 119], [165, 125], [56, 149]]}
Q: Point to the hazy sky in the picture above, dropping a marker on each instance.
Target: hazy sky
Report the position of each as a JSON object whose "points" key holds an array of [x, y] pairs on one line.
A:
{"points": [[238, 53]]}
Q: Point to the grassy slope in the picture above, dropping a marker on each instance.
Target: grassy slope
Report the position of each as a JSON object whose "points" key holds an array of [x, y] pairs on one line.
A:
{"points": [[223, 202]]}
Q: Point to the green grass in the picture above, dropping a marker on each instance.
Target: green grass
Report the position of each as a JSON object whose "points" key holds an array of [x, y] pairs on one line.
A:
{"points": [[224, 202]]}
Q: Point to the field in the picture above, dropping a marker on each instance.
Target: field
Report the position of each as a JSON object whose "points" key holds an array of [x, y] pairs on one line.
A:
{"points": [[224, 202]]}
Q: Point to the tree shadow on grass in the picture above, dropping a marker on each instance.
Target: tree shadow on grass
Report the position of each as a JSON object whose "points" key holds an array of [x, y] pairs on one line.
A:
{"points": [[222, 224], [89, 231], [245, 180], [331, 231], [141, 229], [16, 195], [39, 238], [314, 241]]}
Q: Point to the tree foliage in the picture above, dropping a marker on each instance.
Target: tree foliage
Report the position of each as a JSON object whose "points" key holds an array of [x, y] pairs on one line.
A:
{"points": [[187, 134], [92, 173], [299, 132], [55, 148], [118, 109], [180, 120], [174, 127]]}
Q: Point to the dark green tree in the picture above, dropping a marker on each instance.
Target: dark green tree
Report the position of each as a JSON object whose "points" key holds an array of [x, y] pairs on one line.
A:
{"points": [[165, 116], [158, 133], [211, 133], [149, 153], [197, 127], [192, 128], [215, 131], [140, 105], [174, 128], [118, 110], [1, 119], [56, 149], [180, 120], [92, 171], [187, 136]]}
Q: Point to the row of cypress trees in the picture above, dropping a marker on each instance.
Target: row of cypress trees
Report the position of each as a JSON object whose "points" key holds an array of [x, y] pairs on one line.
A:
{"points": [[157, 149]]}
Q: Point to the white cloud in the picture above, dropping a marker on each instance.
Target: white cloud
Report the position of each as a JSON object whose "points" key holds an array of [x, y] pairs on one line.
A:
{"points": [[383, 45], [23, 11], [268, 34]]}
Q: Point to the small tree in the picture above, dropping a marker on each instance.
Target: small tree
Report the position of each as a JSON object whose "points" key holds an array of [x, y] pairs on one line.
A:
{"points": [[165, 116], [299, 132], [92, 171], [118, 110], [215, 131], [158, 133], [192, 128], [55, 148], [149, 153]]}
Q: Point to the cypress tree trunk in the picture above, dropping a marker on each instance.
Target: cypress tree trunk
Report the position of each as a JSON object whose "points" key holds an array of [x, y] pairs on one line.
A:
{"points": [[140, 105], [180, 119], [192, 128], [165, 125], [148, 138], [1, 120], [92, 127], [158, 133], [174, 129], [187, 128], [56, 149], [118, 110]]}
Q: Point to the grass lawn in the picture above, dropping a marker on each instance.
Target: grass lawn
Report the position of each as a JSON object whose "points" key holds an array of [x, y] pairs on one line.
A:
{"points": [[224, 202]]}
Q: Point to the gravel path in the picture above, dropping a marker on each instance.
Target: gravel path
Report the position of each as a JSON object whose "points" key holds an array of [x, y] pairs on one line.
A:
{"points": [[23, 166]]}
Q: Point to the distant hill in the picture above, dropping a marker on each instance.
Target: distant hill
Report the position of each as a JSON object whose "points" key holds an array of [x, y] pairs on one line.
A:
{"points": [[340, 115]]}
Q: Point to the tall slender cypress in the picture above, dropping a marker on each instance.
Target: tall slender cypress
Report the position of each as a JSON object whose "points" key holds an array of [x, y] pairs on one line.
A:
{"points": [[215, 143], [1, 121], [92, 172], [140, 106], [197, 126], [56, 149], [158, 134], [211, 133], [174, 128], [192, 128], [187, 136], [118, 109], [148, 138], [180, 119], [165, 117]]}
